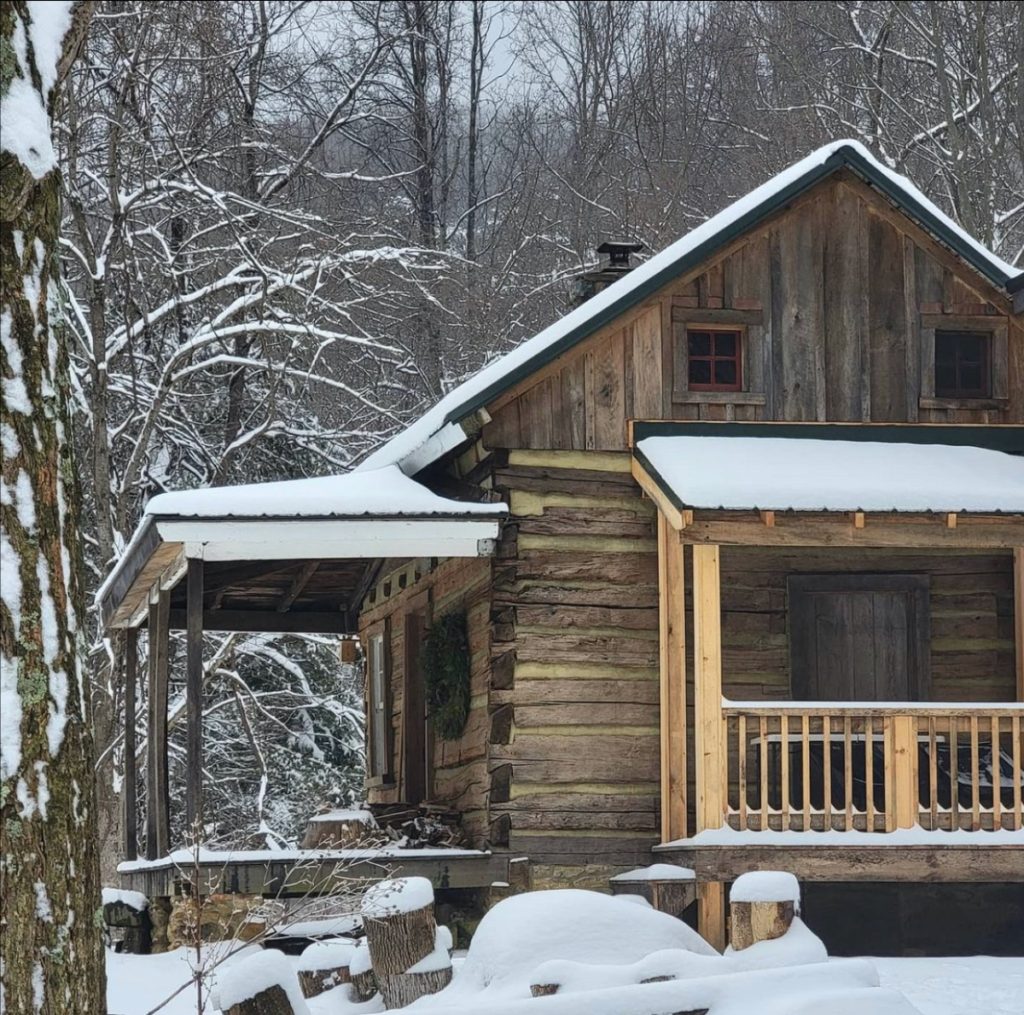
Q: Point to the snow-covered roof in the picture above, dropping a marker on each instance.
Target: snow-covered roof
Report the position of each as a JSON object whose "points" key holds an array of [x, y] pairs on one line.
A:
{"points": [[436, 432], [383, 492], [800, 474]]}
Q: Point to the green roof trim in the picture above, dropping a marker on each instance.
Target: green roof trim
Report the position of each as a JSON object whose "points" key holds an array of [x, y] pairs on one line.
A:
{"points": [[844, 157]]}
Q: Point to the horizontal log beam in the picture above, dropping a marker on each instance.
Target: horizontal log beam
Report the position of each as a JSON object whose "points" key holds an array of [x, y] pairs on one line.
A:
{"points": [[301, 622]]}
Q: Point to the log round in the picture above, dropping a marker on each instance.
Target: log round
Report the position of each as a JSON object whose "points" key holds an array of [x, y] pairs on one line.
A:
{"points": [[364, 985], [398, 941], [401, 989], [543, 989], [272, 1001], [759, 921], [317, 981]]}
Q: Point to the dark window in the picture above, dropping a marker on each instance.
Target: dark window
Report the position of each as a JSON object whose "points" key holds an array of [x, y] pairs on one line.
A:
{"points": [[714, 360], [963, 364]]}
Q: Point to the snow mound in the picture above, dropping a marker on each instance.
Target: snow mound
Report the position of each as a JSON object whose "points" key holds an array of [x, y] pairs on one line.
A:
{"points": [[765, 886], [360, 816], [360, 962], [133, 900], [658, 872], [246, 979], [521, 933], [397, 895], [326, 955], [440, 957]]}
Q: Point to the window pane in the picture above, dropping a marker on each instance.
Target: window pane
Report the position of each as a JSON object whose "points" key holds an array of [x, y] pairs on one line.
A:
{"points": [[725, 343], [700, 371], [725, 372], [945, 348], [700, 343], [970, 377], [945, 379]]}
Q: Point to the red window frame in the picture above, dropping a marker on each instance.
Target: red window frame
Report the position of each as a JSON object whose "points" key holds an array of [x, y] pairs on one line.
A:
{"points": [[714, 356], [962, 357]]}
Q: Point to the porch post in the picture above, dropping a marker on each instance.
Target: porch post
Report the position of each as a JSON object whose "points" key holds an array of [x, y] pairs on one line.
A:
{"points": [[194, 697], [672, 665], [707, 685], [1018, 616], [131, 672], [157, 790]]}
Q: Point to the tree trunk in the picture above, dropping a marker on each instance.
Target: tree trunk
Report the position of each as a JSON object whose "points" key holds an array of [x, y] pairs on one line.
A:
{"points": [[52, 958]]}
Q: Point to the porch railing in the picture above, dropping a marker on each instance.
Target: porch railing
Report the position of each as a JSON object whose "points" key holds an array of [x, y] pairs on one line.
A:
{"points": [[808, 766]]}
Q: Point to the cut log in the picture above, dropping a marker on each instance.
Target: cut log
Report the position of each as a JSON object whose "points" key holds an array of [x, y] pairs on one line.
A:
{"points": [[762, 905], [272, 1001], [262, 984], [364, 982], [340, 829], [543, 989], [325, 965], [401, 989]]}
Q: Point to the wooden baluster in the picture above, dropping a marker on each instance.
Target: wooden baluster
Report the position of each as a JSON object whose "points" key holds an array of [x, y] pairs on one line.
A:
{"points": [[805, 768], [763, 730], [904, 770], [975, 777], [869, 772], [1018, 816], [996, 777], [933, 774], [887, 773], [784, 752], [848, 771], [954, 773], [741, 765], [826, 759]]}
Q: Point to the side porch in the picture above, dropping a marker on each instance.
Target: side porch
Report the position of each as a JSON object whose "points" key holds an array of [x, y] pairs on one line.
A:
{"points": [[842, 654]]}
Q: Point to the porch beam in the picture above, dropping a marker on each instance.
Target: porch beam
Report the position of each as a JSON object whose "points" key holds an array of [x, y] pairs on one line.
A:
{"points": [[299, 582], [131, 675], [676, 516], [748, 529], [707, 684], [672, 667], [292, 622], [157, 788], [194, 698]]}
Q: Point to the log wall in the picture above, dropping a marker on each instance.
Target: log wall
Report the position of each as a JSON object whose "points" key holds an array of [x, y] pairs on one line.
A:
{"points": [[837, 296]]}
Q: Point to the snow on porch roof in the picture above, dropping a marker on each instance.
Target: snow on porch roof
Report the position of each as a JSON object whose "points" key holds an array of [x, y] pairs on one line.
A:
{"points": [[385, 492], [437, 431], [802, 474]]}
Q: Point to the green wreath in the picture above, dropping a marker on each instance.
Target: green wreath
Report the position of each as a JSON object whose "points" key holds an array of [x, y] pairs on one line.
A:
{"points": [[445, 663]]}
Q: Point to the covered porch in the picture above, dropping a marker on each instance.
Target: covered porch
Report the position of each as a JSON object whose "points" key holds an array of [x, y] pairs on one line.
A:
{"points": [[295, 557], [832, 723]]}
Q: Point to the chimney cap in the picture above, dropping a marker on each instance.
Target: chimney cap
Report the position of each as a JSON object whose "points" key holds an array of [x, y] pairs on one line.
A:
{"points": [[618, 251]]}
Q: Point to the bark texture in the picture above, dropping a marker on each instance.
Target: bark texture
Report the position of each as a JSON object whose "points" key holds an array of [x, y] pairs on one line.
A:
{"points": [[758, 921], [51, 938], [316, 981], [272, 1001]]}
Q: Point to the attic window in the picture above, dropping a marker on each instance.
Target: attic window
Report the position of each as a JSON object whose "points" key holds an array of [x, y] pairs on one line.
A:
{"points": [[963, 364], [714, 359]]}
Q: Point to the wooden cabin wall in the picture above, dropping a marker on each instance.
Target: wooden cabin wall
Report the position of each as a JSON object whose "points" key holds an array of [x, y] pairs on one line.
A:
{"points": [[575, 784], [833, 293], [971, 614], [460, 767]]}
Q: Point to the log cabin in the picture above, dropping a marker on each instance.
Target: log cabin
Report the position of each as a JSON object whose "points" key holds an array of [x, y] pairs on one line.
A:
{"points": [[739, 547]]}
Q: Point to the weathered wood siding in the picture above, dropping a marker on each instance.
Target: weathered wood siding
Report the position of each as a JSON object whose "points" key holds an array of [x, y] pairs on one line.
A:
{"points": [[838, 296], [460, 767]]}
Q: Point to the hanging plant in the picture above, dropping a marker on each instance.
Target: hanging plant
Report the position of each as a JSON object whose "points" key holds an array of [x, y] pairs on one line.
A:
{"points": [[445, 663]]}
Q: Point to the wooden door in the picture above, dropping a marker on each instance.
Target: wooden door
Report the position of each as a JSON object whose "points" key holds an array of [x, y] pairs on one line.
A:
{"points": [[861, 637], [417, 745]]}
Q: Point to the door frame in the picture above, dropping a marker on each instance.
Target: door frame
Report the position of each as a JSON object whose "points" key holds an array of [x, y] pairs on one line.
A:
{"points": [[916, 586]]}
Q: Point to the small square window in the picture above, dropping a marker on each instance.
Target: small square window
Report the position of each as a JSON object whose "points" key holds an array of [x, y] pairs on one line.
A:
{"points": [[714, 360], [963, 364]]}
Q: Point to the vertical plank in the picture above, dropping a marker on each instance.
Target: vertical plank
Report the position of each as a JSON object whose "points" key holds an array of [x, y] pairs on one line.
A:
{"points": [[647, 376], [869, 772], [573, 399], [911, 330], [904, 783], [848, 772], [784, 754], [762, 732], [805, 769], [609, 394], [1018, 617], [886, 322], [954, 773], [1015, 733], [933, 776], [826, 761], [157, 789], [131, 676], [996, 778], [888, 774], [711, 913], [672, 660], [194, 698], [741, 775], [707, 657]]}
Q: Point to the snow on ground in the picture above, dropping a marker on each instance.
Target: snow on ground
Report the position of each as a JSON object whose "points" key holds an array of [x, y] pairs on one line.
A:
{"points": [[947, 986]]}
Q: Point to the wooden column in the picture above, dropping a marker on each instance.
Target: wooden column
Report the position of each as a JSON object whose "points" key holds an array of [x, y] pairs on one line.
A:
{"points": [[131, 674], [672, 660], [707, 661], [711, 913], [157, 789], [1018, 616], [194, 698]]}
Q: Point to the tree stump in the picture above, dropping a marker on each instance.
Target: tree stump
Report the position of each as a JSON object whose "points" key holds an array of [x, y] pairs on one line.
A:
{"points": [[272, 1001], [339, 829], [762, 905], [325, 965], [128, 922], [262, 984], [410, 957], [360, 971]]}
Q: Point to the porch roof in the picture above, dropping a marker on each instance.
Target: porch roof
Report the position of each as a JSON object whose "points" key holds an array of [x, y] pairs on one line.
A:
{"points": [[810, 474], [290, 555]]}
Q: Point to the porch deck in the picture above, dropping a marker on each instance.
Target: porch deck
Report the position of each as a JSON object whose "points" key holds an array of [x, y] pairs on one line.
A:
{"points": [[295, 873]]}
